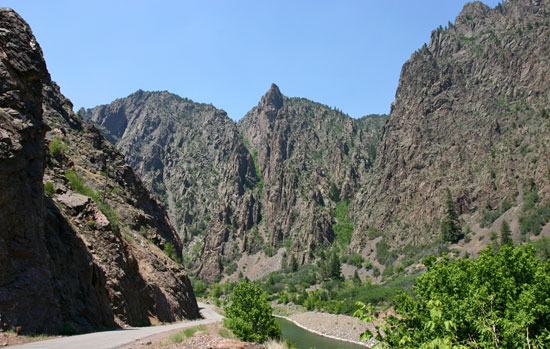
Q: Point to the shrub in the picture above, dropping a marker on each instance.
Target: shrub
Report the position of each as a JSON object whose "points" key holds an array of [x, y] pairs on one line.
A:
{"points": [[171, 252], [499, 300], [57, 147], [49, 189], [249, 315]]}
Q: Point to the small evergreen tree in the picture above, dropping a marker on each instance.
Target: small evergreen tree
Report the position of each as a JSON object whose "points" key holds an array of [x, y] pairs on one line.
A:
{"points": [[334, 192], [505, 234], [293, 264], [450, 226], [335, 267]]}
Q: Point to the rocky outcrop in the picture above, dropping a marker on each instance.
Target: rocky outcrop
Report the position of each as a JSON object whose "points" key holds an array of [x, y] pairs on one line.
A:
{"points": [[25, 276], [309, 158], [89, 254], [236, 190], [193, 158], [471, 115]]}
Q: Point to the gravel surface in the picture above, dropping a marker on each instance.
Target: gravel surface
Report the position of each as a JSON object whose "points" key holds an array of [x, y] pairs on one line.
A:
{"points": [[338, 326]]}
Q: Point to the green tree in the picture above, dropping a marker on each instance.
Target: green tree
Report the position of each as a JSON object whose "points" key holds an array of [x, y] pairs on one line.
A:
{"points": [[334, 192], [293, 264], [450, 226], [499, 300], [335, 267], [505, 233], [250, 315]]}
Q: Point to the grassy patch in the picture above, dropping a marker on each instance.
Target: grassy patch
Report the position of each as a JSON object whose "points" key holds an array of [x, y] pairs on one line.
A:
{"points": [[49, 189], [187, 333], [78, 185]]}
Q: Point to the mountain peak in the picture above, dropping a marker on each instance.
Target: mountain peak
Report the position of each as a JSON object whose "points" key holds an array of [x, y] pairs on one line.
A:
{"points": [[273, 97]]}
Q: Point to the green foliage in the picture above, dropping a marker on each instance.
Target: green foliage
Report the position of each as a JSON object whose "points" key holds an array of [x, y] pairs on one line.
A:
{"points": [[249, 315], [293, 264], [343, 229], [171, 252], [505, 233], [499, 300], [187, 333], [450, 226], [489, 216], [534, 220], [80, 187], [49, 189], [57, 147], [335, 267], [383, 253], [333, 192], [354, 259]]}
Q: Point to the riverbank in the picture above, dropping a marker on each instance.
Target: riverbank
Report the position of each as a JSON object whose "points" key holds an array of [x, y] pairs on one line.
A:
{"points": [[340, 327]]}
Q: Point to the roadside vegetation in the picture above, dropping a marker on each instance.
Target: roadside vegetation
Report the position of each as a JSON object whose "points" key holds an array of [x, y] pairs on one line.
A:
{"points": [[498, 300]]}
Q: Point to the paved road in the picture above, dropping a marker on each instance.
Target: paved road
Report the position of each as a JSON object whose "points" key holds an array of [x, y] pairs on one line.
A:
{"points": [[115, 339]]}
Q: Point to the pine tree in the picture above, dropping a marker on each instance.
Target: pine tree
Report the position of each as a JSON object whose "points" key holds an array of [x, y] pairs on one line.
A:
{"points": [[293, 264], [335, 267], [505, 234], [450, 226]]}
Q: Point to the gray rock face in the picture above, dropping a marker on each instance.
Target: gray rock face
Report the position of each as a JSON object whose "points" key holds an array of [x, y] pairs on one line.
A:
{"points": [[469, 115], [74, 201], [77, 259], [303, 149], [220, 179]]}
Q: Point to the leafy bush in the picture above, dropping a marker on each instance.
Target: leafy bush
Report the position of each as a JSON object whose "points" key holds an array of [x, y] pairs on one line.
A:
{"points": [[489, 216], [383, 254], [57, 147], [249, 315], [499, 300], [356, 260]]}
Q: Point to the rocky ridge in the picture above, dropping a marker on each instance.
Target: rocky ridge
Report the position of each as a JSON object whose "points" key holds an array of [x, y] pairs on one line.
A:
{"points": [[88, 254], [229, 189], [470, 115]]}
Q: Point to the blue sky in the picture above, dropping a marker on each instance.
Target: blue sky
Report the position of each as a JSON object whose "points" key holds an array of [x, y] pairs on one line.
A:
{"points": [[346, 54]]}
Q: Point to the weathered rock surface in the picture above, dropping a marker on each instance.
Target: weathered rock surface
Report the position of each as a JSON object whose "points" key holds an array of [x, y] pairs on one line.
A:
{"points": [[88, 255], [471, 115], [25, 275], [303, 149], [220, 179]]}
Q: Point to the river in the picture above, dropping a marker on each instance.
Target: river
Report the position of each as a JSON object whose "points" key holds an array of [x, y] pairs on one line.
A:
{"points": [[305, 340]]}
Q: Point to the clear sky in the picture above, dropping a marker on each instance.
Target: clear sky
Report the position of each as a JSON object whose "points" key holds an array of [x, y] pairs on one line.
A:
{"points": [[344, 53]]}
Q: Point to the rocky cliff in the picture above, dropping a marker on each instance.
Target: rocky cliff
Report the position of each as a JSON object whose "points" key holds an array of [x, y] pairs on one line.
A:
{"points": [[470, 115], [81, 239], [309, 157], [239, 190]]}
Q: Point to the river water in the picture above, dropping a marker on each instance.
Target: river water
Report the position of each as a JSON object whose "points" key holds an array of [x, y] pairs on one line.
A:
{"points": [[305, 340]]}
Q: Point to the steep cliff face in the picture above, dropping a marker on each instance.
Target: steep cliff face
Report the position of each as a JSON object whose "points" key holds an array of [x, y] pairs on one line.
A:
{"points": [[192, 157], [309, 157], [88, 254], [239, 190], [25, 275], [471, 115]]}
